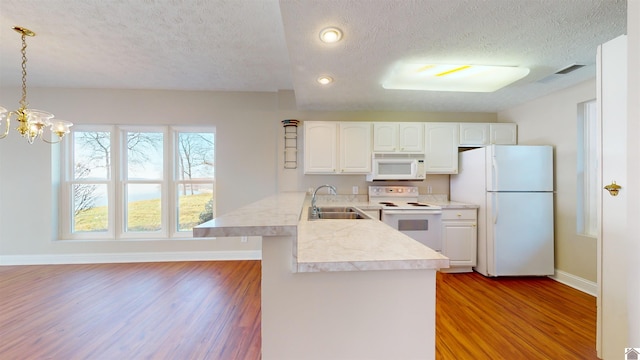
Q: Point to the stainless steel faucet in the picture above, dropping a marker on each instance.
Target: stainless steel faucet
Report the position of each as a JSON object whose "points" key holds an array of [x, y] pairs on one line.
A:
{"points": [[313, 198]]}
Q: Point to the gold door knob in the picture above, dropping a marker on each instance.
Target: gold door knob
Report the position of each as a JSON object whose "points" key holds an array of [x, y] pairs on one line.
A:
{"points": [[613, 188]]}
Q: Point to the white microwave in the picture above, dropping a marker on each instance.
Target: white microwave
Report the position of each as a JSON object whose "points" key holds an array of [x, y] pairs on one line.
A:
{"points": [[397, 169]]}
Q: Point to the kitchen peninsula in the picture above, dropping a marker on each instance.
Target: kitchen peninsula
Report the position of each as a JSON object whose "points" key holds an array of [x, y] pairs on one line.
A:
{"points": [[337, 289]]}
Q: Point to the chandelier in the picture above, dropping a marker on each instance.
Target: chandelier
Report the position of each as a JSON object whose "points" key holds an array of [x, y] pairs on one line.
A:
{"points": [[31, 122]]}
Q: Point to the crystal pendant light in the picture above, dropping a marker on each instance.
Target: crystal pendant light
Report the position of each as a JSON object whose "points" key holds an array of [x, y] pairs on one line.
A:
{"points": [[31, 122]]}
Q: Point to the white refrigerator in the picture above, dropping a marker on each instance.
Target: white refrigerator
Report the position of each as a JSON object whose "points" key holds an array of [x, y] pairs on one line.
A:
{"points": [[513, 186]]}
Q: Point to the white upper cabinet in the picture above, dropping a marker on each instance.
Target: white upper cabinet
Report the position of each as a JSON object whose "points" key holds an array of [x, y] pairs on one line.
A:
{"points": [[385, 137], [355, 148], [411, 137], [482, 134], [337, 147], [441, 148], [398, 137], [320, 147], [503, 134], [474, 134]]}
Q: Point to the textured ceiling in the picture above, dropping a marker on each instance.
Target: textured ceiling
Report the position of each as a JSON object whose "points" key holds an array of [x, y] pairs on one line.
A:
{"points": [[266, 45]]}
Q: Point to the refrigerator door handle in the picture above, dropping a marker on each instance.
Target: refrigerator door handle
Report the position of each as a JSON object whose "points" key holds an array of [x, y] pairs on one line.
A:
{"points": [[494, 174], [494, 207]]}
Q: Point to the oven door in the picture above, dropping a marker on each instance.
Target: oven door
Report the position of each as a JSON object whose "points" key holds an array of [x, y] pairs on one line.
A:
{"points": [[423, 226]]}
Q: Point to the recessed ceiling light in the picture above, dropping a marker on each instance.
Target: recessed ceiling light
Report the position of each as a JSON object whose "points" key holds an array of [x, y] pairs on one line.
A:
{"points": [[325, 80], [330, 35], [448, 77]]}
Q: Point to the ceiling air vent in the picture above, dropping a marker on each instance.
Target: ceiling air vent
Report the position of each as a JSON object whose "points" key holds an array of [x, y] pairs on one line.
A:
{"points": [[569, 69]]}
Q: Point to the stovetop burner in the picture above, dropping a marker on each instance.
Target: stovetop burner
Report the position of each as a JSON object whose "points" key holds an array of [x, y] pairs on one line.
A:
{"points": [[417, 204], [398, 198], [388, 203]]}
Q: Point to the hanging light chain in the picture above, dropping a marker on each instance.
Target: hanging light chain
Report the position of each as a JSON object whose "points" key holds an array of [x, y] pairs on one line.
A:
{"points": [[23, 100], [31, 122]]}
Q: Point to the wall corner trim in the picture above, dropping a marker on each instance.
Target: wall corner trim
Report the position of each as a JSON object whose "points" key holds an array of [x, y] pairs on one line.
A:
{"points": [[576, 282]]}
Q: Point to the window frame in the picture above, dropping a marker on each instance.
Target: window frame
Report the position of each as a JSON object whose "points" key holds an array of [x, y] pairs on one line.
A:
{"points": [[175, 131], [68, 180], [117, 183], [123, 181]]}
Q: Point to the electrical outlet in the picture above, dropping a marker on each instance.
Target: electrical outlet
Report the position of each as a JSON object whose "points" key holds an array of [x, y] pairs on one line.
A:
{"points": [[354, 190], [244, 239]]}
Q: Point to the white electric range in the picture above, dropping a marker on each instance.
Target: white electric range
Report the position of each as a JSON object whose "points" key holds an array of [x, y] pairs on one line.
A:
{"points": [[402, 211]]}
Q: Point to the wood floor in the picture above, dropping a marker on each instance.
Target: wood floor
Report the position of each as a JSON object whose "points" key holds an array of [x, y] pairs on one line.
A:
{"points": [[512, 318], [190, 310], [211, 310]]}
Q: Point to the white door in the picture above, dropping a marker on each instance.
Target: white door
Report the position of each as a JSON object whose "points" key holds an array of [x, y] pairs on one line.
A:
{"points": [[633, 169], [612, 252], [520, 233], [520, 168]]}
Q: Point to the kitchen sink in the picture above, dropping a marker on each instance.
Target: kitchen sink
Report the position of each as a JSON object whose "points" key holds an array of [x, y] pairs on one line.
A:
{"points": [[337, 212], [326, 209]]}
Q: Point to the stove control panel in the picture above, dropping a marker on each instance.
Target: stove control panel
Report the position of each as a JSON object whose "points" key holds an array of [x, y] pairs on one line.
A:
{"points": [[393, 191]]}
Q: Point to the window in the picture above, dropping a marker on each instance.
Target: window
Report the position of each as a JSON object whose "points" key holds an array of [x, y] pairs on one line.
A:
{"points": [[588, 168], [137, 182]]}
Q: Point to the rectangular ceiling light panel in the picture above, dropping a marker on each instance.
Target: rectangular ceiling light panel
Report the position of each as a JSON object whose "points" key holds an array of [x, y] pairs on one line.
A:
{"points": [[448, 77]]}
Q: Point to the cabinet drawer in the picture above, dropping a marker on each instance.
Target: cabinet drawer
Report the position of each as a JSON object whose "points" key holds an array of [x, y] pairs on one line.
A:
{"points": [[459, 214]]}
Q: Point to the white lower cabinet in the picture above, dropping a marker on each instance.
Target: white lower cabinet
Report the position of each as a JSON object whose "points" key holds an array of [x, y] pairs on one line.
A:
{"points": [[460, 238]]}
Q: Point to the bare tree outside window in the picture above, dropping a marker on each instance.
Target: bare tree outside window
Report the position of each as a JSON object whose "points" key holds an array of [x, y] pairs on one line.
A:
{"points": [[196, 158], [91, 172], [142, 184], [84, 195], [145, 155], [195, 174], [93, 153]]}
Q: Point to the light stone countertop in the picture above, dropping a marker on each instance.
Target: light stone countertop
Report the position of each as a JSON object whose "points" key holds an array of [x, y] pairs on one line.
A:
{"points": [[276, 215], [325, 245]]}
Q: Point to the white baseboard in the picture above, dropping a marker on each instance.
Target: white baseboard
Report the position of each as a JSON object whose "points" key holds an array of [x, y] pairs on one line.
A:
{"points": [[576, 282], [51, 259]]}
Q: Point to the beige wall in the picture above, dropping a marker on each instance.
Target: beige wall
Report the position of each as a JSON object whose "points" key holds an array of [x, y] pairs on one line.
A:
{"points": [[249, 157], [552, 120], [246, 166], [250, 161]]}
